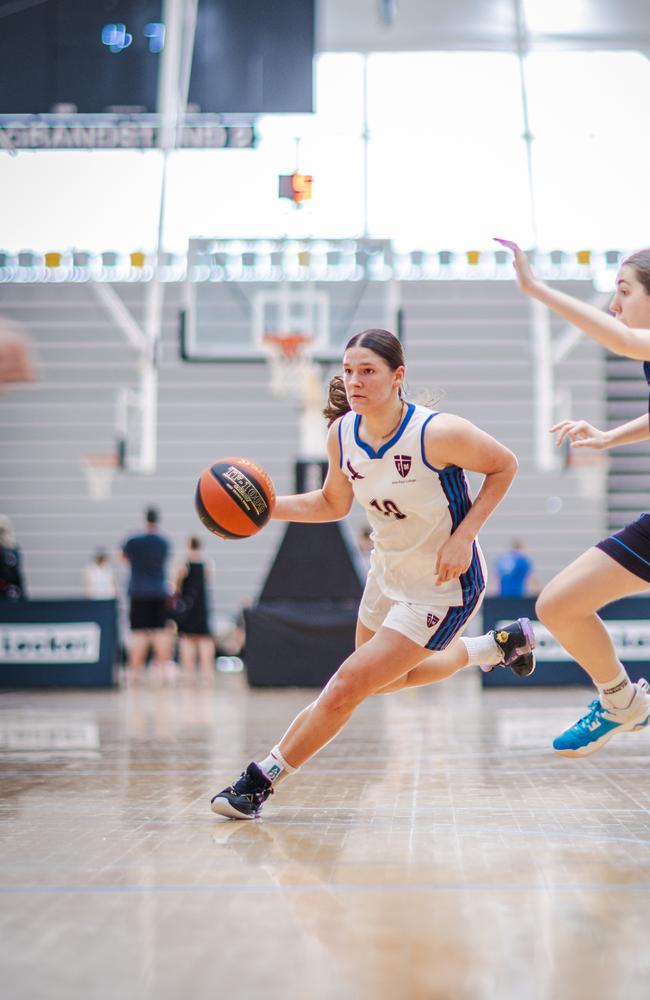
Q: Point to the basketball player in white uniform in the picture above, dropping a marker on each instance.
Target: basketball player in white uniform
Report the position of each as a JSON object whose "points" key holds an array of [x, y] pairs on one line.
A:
{"points": [[404, 463]]}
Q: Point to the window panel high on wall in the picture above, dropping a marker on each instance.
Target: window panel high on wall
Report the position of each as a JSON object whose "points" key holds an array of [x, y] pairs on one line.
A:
{"points": [[591, 152], [235, 193], [447, 162]]}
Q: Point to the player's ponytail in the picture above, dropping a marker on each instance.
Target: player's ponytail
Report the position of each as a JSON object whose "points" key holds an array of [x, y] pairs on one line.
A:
{"points": [[383, 343], [337, 400]]}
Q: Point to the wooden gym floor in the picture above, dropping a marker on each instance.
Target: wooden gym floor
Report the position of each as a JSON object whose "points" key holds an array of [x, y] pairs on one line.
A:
{"points": [[436, 849]]}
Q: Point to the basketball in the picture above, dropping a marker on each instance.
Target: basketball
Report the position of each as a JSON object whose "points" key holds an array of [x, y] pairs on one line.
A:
{"points": [[234, 497]]}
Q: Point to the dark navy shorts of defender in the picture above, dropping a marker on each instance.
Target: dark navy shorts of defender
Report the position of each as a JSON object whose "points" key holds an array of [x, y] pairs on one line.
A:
{"points": [[630, 547]]}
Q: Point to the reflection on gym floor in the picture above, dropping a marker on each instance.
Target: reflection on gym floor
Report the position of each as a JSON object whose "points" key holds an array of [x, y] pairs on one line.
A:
{"points": [[436, 849]]}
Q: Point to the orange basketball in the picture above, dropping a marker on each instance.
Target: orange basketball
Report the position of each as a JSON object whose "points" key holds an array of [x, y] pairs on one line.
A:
{"points": [[234, 497]]}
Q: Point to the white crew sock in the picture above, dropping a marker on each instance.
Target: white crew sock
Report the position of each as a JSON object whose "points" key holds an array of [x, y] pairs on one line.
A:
{"points": [[617, 693], [482, 650], [275, 766]]}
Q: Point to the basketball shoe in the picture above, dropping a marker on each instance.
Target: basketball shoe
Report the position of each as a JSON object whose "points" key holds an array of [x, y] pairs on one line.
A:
{"points": [[597, 727], [246, 796], [516, 642]]}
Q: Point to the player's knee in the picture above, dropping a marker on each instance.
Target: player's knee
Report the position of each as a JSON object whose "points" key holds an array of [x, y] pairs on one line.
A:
{"points": [[343, 693], [551, 606]]}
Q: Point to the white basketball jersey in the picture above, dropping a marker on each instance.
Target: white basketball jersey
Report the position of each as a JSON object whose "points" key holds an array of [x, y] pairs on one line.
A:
{"points": [[412, 508]]}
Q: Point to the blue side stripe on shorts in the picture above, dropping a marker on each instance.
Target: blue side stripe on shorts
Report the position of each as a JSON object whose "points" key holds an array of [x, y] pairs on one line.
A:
{"points": [[473, 585], [613, 538], [454, 485]]}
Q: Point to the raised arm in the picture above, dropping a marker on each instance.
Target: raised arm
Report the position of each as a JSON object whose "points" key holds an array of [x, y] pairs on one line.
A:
{"points": [[604, 329], [331, 503]]}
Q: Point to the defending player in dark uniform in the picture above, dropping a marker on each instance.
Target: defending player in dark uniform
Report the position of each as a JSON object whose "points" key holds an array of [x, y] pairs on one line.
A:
{"points": [[620, 565]]}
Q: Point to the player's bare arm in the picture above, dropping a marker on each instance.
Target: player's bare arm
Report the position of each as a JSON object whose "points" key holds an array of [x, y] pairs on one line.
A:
{"points": [[616, 336], [581, 434], [331, 503]]}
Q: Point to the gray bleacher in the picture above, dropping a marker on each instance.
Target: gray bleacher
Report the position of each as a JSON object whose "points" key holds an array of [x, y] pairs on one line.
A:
{"points": [[629, 469], [470, 339]]}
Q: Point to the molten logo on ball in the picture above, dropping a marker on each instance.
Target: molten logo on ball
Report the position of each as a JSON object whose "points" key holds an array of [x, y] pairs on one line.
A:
{"points": [[248, 494]]}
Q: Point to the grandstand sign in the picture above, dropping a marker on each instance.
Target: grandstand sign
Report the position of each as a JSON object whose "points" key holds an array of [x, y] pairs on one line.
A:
{"points": [[122, 135]]}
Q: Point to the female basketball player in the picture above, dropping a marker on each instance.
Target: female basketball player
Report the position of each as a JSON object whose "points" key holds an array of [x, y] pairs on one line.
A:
{"points": [[404, 464], [619, 565]]}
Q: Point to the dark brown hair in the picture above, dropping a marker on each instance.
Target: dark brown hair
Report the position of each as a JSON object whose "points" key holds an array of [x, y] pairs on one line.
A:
{"points": [[640, 261], [383, 343]]}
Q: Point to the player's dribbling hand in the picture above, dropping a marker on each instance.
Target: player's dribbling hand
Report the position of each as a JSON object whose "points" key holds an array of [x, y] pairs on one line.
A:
{"points": [[580, 434], [525, 276]]}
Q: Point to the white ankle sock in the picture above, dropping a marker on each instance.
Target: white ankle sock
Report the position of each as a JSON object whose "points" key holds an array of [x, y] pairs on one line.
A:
{"points": [[482, 650], [617, 693], [275, 766]]}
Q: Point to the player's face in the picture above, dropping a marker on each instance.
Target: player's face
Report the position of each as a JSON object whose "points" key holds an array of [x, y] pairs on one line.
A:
{"points": [[631, 302], [369, 381]]}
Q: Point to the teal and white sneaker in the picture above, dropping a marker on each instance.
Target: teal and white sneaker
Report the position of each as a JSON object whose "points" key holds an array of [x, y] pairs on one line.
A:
{"points": [[598, 726]]}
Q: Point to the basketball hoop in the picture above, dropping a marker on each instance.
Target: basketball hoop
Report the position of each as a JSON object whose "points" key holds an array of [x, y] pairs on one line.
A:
{"points": [[99, 470], [289, 357]]}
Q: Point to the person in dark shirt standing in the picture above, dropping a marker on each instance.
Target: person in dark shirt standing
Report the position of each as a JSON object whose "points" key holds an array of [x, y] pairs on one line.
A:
{"points": [[147, 556], [192, 580]]}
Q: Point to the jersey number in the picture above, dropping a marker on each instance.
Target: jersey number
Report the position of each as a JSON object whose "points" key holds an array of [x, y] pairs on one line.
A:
{"points": [[388, 508]]}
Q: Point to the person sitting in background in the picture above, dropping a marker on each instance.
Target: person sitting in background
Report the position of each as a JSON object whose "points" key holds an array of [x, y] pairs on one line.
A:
{"points": [[515, 572], [12, 587], [196, 644], [99, 579]]}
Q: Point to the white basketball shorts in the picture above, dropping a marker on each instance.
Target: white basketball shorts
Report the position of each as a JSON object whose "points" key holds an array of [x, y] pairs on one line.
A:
{"points": [[431, 625]]}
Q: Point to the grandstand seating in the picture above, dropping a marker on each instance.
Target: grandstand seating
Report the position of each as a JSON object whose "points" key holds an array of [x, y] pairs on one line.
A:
{"points": [[468, 338]]}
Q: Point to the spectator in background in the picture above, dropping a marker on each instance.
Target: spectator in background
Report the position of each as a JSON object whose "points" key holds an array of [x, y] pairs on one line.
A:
{"points": [[147, 556], [196, 644], [99, 579], [515, 572], [12, 587]]}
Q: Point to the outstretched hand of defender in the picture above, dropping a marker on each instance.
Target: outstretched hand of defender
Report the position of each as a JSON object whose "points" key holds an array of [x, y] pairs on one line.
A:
{"points": [[453, 559], [525, 276], [579, 433]]}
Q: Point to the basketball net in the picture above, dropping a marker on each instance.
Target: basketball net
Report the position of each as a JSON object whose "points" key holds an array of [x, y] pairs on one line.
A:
{"points": [[290, 363], [99, 470], [294, 374]]}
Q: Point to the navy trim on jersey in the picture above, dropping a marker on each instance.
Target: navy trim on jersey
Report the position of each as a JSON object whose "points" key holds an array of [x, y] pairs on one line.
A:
{"points": [[472, 584], [436, 413], [370, 452], [454, 485], [341, 441]]}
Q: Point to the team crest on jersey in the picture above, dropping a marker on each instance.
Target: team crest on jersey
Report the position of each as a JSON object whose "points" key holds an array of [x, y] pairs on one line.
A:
{"points": [[353, 472], [432, 620], [403, 465]]}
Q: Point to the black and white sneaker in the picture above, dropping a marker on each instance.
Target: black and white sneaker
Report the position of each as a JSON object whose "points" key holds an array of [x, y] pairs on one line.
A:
{"points": [[517, 642], [246, 796]]}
